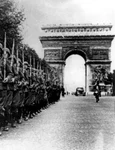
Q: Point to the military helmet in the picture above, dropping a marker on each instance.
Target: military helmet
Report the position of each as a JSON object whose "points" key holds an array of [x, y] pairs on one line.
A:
{"points": [[26, 63], [7, 51], [13, 57], [19, 61]]}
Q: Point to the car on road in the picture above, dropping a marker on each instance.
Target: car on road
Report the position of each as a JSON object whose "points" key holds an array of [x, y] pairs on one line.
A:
{"points": [[80, 91]]}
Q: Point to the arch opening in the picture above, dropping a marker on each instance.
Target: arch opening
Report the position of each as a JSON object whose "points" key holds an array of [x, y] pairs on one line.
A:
{"points": [[74, 73], [76, 52]]}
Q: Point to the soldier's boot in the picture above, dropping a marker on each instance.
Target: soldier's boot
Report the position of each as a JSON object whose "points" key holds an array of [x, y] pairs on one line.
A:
{"points": [[33, 112], [20, 121], [36, 113], [31, 115], [26, 114], [20, 116], [26, 117], [39, 110], [6, 121], [13, 124], [1, 123], [6, 128]]}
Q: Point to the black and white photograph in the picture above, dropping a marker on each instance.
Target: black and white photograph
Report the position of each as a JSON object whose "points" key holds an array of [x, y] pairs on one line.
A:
{"points": [[57, 75]]}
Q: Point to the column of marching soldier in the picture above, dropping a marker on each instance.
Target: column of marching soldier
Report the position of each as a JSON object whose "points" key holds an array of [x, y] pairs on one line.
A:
{"points": [[23, 91]]}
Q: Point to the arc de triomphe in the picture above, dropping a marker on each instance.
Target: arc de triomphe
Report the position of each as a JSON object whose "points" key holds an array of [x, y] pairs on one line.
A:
{"points": [[92, 42]]}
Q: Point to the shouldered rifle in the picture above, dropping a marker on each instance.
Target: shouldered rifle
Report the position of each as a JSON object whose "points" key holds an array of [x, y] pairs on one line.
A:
{"points": [[5, 55]]}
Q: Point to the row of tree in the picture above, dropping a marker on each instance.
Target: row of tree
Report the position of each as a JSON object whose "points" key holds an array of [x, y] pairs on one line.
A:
{"points": [[11, 19], [11, 23]]}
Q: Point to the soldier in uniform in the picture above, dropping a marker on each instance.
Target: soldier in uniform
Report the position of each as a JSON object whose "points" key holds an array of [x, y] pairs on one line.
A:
{"points": [[20, 90], [40, 90], [2, 110], [58, 90], [31, 101], [49, 91], [16, 95], [7, 88], [38, 96], [44, 92], [26, 90], [37, 101]]}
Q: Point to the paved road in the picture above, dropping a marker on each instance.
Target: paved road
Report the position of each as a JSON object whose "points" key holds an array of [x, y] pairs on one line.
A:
{"points": [[73, 123]]}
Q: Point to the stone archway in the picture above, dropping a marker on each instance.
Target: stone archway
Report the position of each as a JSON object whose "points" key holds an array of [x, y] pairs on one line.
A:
{"points": [[60, 41], [80, 53]]}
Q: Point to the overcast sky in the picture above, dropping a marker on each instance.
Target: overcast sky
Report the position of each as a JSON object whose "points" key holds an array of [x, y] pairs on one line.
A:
{"points": [[40, 12]]}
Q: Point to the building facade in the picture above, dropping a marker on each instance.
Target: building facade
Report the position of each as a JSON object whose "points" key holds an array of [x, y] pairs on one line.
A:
{"points": [[92, 42]]}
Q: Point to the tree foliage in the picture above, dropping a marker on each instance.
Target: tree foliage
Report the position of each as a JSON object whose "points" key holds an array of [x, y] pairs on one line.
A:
{"points": [[102, 76], [11, 19], [10, 22], [109, 79]]}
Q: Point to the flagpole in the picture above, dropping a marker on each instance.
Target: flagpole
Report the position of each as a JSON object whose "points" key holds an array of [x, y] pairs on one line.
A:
{"points": [[17, 60], [40, 65], [23, 57], [37, 68], [5, 40], [30, 69], [12, 52], [34, 64], [30, 65], [5, 55]]}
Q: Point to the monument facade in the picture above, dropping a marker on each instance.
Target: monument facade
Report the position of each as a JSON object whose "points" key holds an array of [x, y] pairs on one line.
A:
{"points": [[92, 42]]}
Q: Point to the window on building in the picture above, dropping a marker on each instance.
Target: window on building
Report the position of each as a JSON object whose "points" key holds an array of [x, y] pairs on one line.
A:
{"points": [[100, 29], [63, 30], [94, 30], [81, 30], [106, 29], [88, 30]]}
